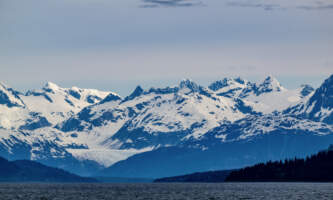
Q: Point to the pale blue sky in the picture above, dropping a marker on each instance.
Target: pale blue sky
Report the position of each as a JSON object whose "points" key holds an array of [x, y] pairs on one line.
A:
{"points": [[118, 44]]}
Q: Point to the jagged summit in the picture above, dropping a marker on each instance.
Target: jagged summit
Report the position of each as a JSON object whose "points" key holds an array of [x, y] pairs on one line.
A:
{"points": [[49, 86], [9, 96], [137, 92], [220, 84], [240, 80], [328, 83], [3, 85], [188, 83], [230, 85], [56, 103], [306, 89], [228, 82], [320, 105], [268, 85], [111, 97], [323, 97]]}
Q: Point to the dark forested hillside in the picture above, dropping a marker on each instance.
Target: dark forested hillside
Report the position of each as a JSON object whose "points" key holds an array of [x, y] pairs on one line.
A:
{"points": [[30, 171], [317, 168]]}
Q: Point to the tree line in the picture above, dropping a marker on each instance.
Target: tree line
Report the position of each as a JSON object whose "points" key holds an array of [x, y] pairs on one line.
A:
{"points": [[316, 168]]}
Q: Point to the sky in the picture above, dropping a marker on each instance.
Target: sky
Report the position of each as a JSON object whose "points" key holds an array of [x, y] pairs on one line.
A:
{"points": [[119, 44]]}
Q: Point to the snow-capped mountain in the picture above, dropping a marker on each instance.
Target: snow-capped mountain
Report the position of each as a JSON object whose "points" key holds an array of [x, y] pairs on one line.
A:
{"points": [[26, 122], [90, 128], [14, 113], [247, 141], [58, 104], [148, 119], [9, 97], [159, 110], [257, 137], [265, 97], [320, 106], [223, 150], [44, 145], [241, 88], [45, 107], [160, 117]]}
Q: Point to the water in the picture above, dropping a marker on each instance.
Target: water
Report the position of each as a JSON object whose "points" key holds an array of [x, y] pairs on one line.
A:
{"points": [[167, 191]]}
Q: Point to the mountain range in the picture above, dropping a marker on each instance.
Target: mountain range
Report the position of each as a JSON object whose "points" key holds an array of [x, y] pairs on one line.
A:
{"points": [[169, 131]]}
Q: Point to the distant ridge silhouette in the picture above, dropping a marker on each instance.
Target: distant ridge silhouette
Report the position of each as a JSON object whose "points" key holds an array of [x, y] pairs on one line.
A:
{"points": [[30, 171]]}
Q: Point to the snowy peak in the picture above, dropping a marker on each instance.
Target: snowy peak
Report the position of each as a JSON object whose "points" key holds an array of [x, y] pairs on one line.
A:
{"points": [[51, 87], [9, 97], [264, 97], [189, 84], [270, 84], [238, 87], [228, 82], [137, 92], [320, 105], [111, 97], [232, 87], [323, 96], [90, 96], [57, 103]]}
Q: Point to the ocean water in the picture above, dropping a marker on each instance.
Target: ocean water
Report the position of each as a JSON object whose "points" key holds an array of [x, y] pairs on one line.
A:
{"points": [[166, 191]]}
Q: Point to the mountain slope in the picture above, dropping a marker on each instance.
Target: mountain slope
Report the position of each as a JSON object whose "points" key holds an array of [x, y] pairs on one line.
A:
{"points": [[320, 106], [9, 97], [215, 153]]}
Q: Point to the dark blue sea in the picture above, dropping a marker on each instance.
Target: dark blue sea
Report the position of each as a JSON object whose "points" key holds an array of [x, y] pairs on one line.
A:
{"points": [[166, 191]]}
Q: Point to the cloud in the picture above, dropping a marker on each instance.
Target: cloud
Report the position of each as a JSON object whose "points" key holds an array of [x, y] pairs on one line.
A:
{"points": [[171, 3], [279, 5], [248, 4], [318, 6]]}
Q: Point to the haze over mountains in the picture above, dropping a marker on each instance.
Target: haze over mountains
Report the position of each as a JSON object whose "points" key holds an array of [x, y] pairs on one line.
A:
{"points": [[181, 129]]}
